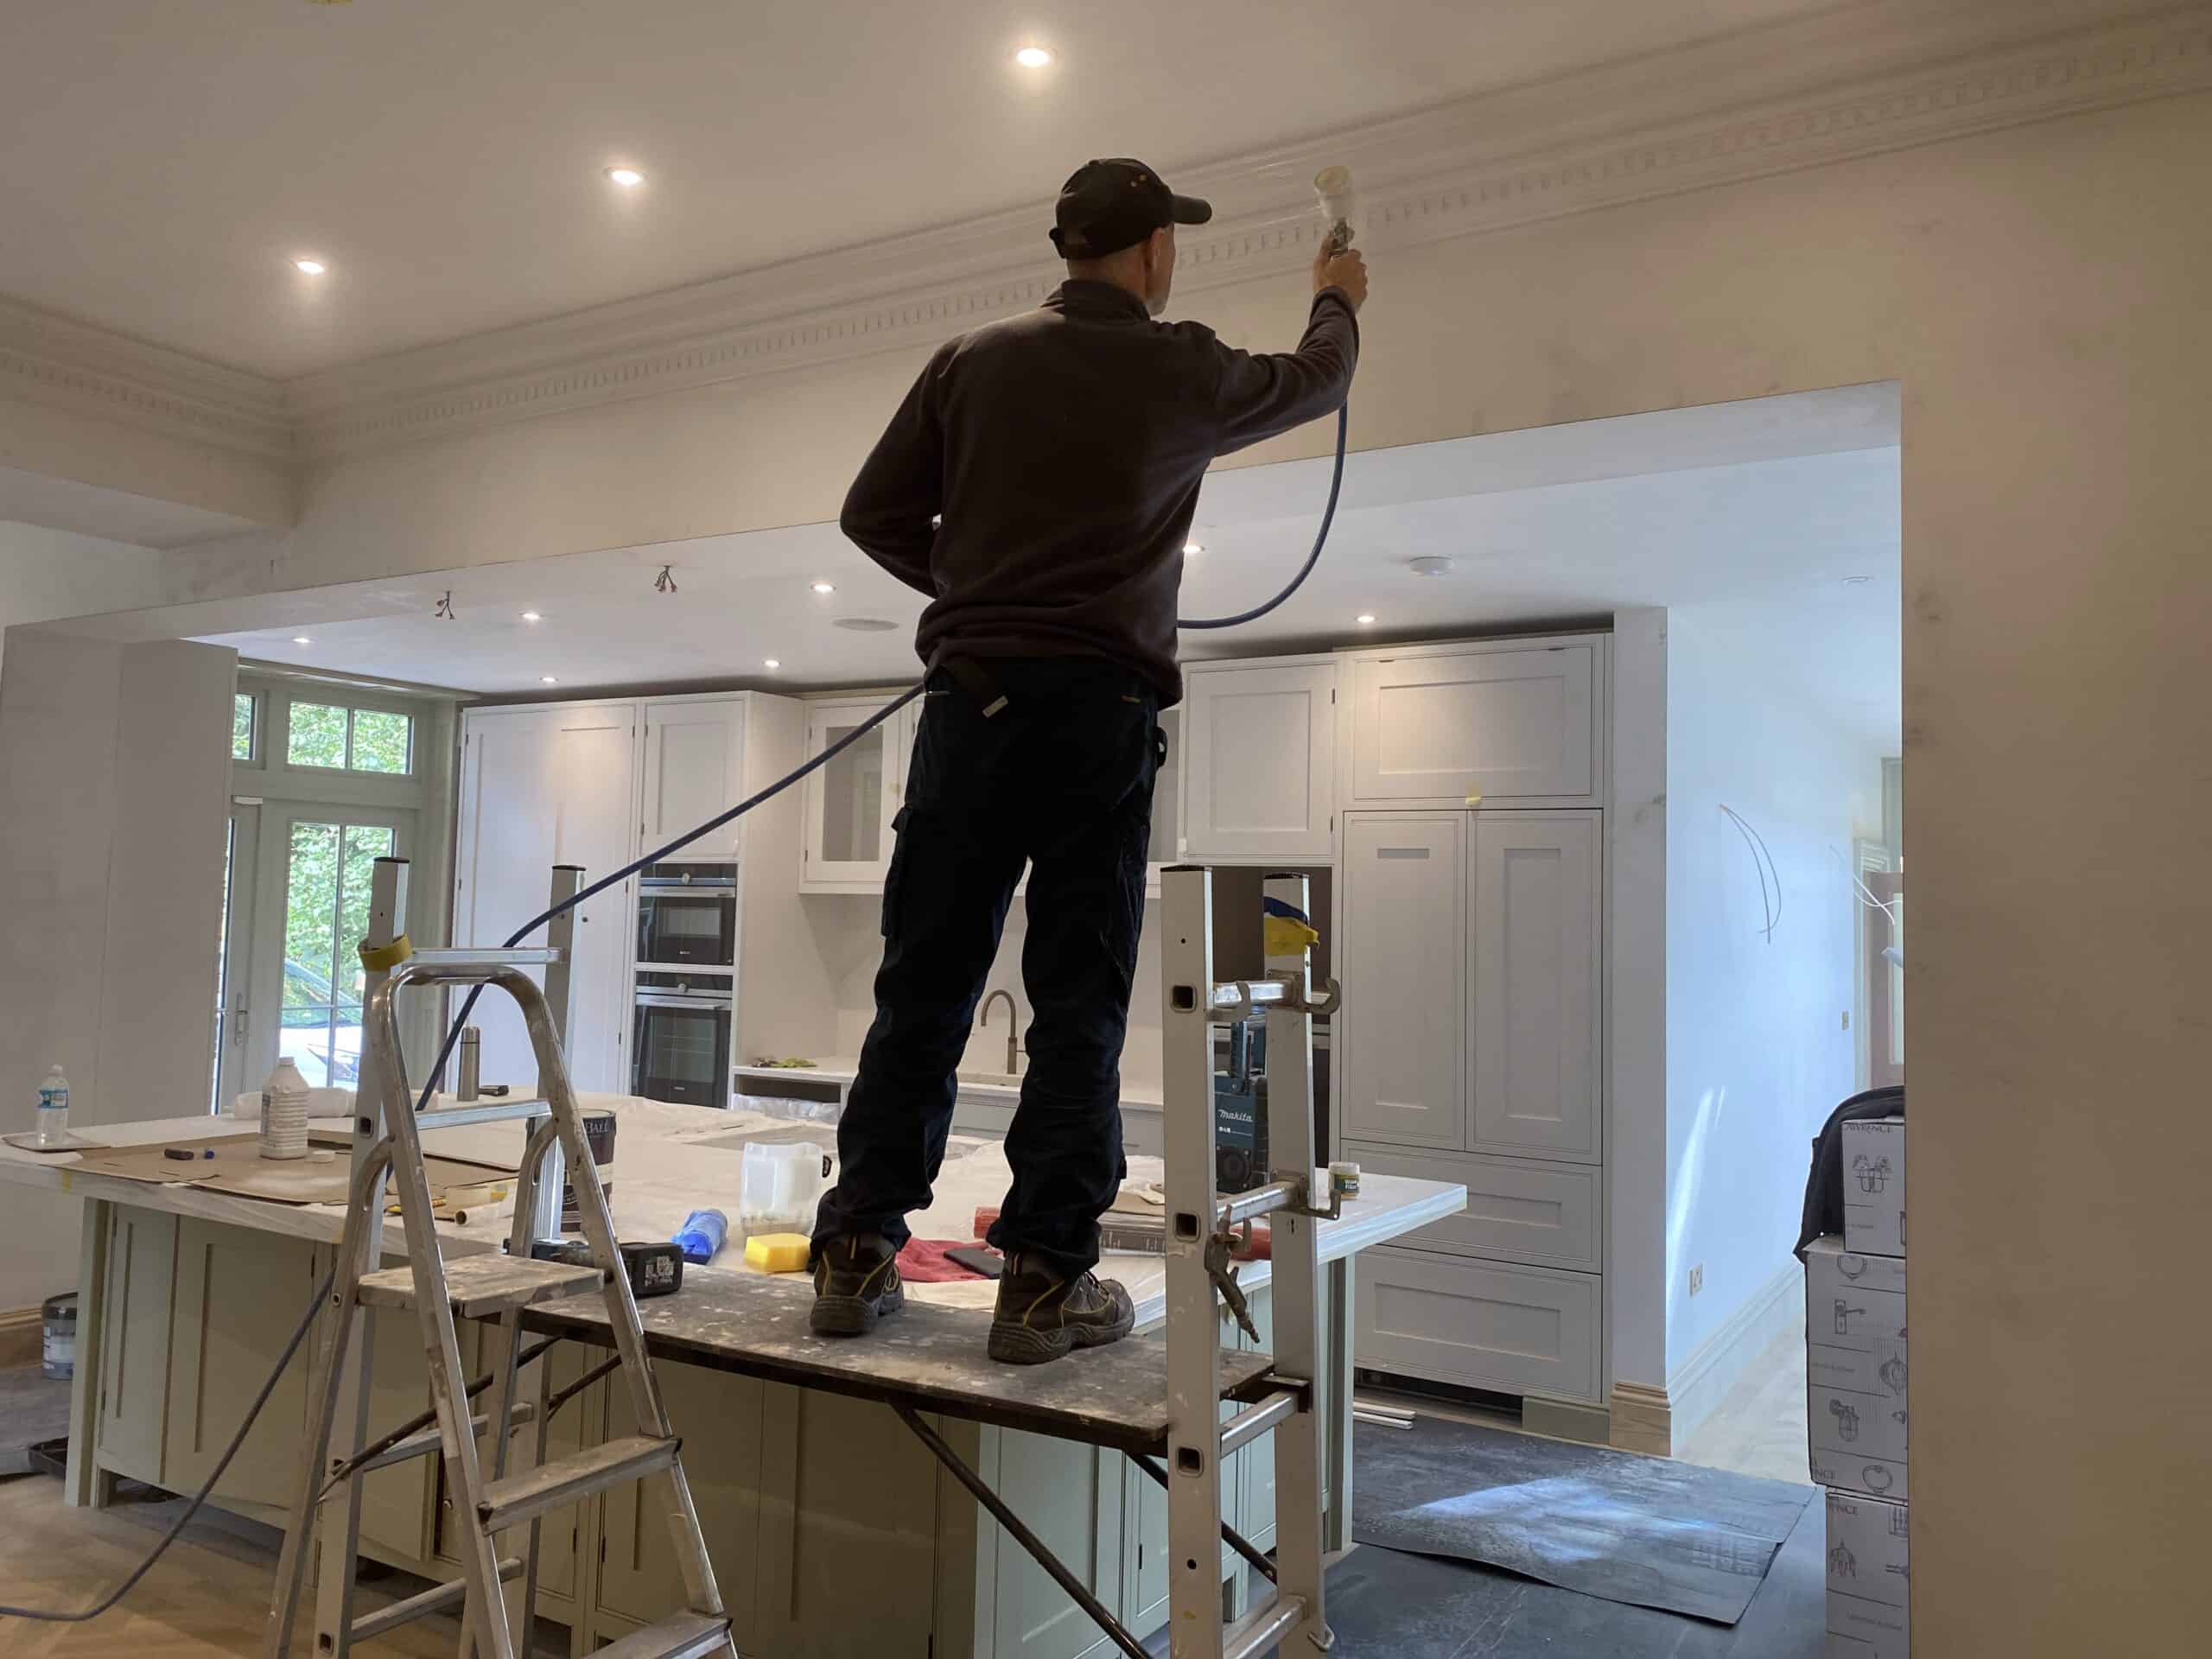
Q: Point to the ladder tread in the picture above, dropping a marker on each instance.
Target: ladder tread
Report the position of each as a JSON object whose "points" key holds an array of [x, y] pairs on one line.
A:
{"points": [[490, 1283], [516, 1499], [683, 1635]]}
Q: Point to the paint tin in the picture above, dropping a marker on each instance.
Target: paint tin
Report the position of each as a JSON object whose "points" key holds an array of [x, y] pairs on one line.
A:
{"points": [[58, 1317]]}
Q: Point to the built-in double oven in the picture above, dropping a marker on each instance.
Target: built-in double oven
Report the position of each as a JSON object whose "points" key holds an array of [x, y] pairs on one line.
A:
{"points": [[687, 958]]}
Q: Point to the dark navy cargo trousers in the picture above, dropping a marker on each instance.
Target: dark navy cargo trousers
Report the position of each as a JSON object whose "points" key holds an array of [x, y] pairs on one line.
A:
{"points": [[1059, 779]]}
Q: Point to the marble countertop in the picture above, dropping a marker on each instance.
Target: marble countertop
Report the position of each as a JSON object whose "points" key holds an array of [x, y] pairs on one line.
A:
{"points": [[671, 1160]]}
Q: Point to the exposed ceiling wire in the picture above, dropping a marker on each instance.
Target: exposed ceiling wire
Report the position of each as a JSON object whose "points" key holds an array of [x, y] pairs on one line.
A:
{"points": [[1763, 861]]}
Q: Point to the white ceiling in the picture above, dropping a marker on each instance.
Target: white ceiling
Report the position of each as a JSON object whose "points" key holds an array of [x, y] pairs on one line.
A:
{"points": [[1773, 503], [93, 510], [161, 163]]}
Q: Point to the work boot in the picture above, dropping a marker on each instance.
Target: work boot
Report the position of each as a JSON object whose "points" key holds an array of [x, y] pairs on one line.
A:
{"points": [[856, 1284], [1041, 1315]]}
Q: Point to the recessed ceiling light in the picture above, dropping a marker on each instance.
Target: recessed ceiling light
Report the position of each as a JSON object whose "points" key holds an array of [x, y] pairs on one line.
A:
{"points": [[1429, 565], [1365, 618], [628, 177], [1857, 582], [310, 267], [771, 663], [825, 586], [1033, 57], [863, 624], [531, 616], [1189, 548], [301, 639], [547, 679]]}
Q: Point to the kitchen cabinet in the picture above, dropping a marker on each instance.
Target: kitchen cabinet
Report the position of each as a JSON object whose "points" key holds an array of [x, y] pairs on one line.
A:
{"points": [[851, 803], [1260, 778], [541, 787], [1547, 1215], [238, 1295], [694, 770], [138, 1305], [1499, 722], [1398, 1043], [1534, 1042], [1167, 793], [1483, 1325]]}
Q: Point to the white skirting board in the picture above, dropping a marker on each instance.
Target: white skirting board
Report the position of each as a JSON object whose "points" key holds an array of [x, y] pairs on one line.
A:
{"points": [[1702, 1381]]}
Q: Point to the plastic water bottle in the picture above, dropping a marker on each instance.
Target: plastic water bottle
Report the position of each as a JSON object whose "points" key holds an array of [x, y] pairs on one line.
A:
{"points": [[284, 1112], [53, 1109], [700, 1235]]}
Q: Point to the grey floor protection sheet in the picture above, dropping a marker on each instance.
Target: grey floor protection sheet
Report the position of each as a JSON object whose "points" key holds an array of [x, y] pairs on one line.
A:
{"points": [[1647, 1531]]}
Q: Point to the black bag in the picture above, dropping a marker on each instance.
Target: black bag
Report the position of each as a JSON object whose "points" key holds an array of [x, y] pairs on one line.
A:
{"points": [[1824, 1185]]}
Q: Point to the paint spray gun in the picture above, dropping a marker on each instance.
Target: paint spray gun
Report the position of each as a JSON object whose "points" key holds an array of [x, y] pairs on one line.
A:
{"points": [[1332, 185]]}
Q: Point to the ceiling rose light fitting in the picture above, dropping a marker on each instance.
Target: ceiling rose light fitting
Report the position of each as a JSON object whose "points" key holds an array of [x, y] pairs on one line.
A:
{"points": [[1034, 57], [1429, 565], [628, 177]]}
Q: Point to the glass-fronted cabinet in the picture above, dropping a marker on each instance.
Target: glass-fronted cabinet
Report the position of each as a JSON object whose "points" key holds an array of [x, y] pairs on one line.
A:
{"points": [[851, 801]]}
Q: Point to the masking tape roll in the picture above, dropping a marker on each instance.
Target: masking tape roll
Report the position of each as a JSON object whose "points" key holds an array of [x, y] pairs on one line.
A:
{"points": [[378, 958]]}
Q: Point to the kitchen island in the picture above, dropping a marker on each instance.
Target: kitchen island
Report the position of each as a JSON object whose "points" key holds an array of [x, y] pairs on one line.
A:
{"points": [[188, 1295]]}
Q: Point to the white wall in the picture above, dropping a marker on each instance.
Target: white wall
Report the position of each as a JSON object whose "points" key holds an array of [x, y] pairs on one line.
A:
{"points": [[1758, 1050], [118, 757], [53, 573]]}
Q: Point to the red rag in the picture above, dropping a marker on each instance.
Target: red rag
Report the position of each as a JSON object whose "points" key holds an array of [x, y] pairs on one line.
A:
{"points": [[923, 1261]]}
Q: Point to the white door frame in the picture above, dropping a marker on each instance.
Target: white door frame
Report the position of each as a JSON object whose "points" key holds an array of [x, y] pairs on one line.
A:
{"points": [[231, 1072]]}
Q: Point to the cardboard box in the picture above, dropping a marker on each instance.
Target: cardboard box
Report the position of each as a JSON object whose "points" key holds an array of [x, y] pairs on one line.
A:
{"points": [[1873, 1186], [1858, 1370], [1869, 1579]]}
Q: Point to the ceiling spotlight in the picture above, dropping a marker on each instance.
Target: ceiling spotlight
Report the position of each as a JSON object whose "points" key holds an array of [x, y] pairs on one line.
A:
{"points": [[301, 639], [1192, 548], [770, 663], [1365, 618], [547, 679], [628, 177], [825, 586], [1033, 57], [531, 616], [310, 267]]}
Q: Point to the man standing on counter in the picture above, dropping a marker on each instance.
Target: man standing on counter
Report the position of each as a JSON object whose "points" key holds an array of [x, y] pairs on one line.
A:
{"points": [[1037, 484]]}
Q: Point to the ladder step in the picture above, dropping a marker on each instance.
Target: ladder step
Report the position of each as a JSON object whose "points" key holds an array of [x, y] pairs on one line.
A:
{"points": [[510, 1502], [686, 1636], [1261, 1629], [477, 1285], [464, 1113], [436, 1598], [427, 1440]]}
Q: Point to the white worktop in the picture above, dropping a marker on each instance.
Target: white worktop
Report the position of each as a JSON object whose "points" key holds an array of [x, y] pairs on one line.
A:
{"points": [[841, 1069], [664, 1168]]}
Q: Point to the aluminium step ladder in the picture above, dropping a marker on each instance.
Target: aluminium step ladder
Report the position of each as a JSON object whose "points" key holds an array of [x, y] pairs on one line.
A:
{"points": [[491, 1503]]}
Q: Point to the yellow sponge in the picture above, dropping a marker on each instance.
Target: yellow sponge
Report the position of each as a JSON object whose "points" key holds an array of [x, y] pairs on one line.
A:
{"points": [[776, 1252]]}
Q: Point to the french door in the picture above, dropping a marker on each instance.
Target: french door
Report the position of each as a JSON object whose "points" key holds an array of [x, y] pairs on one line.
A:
{"points": [[310, 908]]}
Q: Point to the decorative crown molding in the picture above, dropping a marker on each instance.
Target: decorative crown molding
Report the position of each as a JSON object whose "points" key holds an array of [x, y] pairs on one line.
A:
{"points": [[1855, 81], [62, 364]]}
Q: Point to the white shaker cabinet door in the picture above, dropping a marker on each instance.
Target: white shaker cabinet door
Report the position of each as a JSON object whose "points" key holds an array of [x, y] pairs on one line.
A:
{"points": [[1261, 775], [1438, 727], [1534, 1046], [695, 771], [1401, 1037]]}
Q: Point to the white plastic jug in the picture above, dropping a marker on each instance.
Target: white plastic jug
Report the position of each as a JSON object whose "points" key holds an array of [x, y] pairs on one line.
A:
{"points": [[781, 1187]]}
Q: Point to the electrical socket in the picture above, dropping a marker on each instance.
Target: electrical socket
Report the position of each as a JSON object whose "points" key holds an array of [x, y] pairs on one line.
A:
{"points": [[1697, 1278]]}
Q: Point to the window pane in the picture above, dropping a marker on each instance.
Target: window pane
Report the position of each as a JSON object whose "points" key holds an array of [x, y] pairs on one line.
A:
{"points": [[311, 928], [242, 727], [365, 844], [852, 794], [382, 742], [318, 735]]}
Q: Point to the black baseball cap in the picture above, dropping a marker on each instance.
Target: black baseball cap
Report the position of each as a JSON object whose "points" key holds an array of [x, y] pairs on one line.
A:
{"points": [[1111, 205]]}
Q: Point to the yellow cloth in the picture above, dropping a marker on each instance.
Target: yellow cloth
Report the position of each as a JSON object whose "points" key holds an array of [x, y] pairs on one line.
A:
{"points": [[776, 1252], [1286, 935]]}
